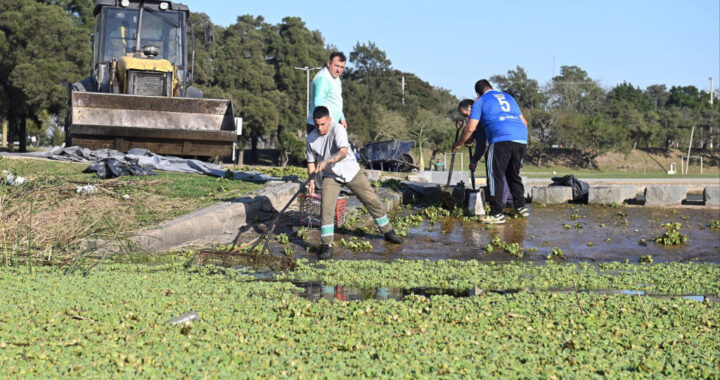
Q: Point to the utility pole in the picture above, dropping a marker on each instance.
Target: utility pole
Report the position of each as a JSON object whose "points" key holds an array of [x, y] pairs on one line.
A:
{"points": [[403, 90], [712, 94], [712, 91], [307, 95]]}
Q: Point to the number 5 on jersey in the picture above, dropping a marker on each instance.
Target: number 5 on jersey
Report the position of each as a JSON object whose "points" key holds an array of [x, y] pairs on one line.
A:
{"points": [[504, 105]]}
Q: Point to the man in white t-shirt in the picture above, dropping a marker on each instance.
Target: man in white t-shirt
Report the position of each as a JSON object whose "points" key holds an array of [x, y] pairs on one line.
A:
{"points": [[327, 154]]}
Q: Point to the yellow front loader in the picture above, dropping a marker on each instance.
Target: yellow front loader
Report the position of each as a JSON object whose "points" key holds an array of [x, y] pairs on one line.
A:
{"points": [[139, 94]]}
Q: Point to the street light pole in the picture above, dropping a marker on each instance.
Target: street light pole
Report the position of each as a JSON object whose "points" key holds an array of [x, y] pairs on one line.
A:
{"points": [[307, 95], [712, 90]]}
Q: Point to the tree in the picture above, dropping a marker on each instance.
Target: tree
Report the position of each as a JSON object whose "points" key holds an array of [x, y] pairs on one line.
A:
{"points": [[433, 131], [203, 64], [46, 54], [516, 83], [82, 10], [672, 121], [374, 102], [392, 124], [658, 93], [369, 59], [631, 96], [292, 45], [707, 120], [542, 129], [685, 96], [574, 91], [243, 73], [592, 135], [629, 124]]}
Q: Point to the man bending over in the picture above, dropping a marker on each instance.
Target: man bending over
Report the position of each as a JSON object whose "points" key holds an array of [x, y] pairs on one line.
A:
{"points": [[506, 131], [327, 154]]}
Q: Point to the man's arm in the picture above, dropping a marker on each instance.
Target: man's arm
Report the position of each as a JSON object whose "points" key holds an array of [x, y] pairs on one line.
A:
{"points": [[339, 155], [310, 157], [311, 170], [465, 136], [522, 118], [480, 144], [320, 90]]}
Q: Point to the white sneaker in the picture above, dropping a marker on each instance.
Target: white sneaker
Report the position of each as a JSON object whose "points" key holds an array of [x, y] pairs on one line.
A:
{"points": [[523, 212], [496, 219]]}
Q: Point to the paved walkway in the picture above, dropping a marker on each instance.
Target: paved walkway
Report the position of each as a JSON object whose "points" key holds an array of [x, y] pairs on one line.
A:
{"points": [[693, 183]]}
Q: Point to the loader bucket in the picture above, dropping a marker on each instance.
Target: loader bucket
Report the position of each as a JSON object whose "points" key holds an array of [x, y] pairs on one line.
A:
{"points": [[163, 125]]}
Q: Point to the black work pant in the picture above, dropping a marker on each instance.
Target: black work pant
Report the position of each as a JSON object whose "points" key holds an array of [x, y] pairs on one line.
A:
{"points": [[505, 160]]}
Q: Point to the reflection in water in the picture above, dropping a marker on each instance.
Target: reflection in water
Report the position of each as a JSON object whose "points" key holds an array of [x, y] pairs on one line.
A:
{"points": [[315, 291]]}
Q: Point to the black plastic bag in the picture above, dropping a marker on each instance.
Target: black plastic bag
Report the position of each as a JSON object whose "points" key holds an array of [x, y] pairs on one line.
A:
{"points": [[112, 168], [580, 189]]}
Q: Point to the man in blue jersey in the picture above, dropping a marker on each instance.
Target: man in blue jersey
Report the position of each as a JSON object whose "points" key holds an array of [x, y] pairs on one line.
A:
{"points": [[326, 90], [465, 108], [506, 130]]}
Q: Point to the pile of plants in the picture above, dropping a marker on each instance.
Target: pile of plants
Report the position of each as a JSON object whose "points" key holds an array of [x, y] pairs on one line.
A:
{"points": [[715, 225], [672, 235], [511, 248], [276, 171], [355, 244]]}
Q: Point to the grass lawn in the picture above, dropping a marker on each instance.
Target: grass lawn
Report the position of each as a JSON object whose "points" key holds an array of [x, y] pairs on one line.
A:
{"points": [[112, 323], [47, 212]]}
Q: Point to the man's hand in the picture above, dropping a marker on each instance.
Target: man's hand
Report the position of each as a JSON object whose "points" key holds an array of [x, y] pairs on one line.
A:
{"points": [[311, 187], [343, 122], [321, 166], [456, 146]]}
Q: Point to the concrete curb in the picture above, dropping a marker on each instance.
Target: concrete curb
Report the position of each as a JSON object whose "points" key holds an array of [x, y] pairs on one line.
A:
{"points": [[221, 222]]}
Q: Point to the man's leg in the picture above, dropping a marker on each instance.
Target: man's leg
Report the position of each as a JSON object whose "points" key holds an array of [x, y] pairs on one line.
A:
{"points": [[498, 158], [513, 175], [328, 202], [360, 186], [507, 197]]}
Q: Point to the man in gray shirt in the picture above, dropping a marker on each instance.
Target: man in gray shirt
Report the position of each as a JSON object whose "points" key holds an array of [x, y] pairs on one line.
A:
{"points": [[327, 154]]}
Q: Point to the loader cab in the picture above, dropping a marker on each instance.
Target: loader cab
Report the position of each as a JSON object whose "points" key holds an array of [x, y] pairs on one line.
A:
{"points": [[163, 36]]}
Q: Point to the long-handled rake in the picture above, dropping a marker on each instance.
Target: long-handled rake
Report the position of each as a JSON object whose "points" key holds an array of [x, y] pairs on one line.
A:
{"points": [[266, 235]]}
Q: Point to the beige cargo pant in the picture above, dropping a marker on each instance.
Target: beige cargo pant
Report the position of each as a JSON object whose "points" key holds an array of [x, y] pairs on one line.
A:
{"points": [[360, 186]]}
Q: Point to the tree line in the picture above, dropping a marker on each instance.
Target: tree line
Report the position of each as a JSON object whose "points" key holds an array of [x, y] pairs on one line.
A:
{"points": [[574, 111], [45, 45]]}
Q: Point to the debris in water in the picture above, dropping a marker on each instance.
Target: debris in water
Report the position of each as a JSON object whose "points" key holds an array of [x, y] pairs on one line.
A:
{"points": [[187, 317]]}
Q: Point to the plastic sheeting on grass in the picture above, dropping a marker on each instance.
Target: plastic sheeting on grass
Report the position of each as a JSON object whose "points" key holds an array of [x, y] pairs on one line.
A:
{"points": [[146, 159]]}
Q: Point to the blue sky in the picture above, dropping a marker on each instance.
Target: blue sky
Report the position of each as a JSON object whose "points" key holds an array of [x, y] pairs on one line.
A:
{"points": [[451, 44]]}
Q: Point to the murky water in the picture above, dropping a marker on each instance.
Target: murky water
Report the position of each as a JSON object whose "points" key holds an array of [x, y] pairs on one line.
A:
{"points": [[584, 233]]}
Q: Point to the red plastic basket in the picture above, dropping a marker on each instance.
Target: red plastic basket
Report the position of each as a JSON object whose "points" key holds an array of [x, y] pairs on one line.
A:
{"points": [[310, 210]]}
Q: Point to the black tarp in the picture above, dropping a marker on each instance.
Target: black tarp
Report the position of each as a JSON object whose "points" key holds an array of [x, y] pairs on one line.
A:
{"points": [[387, 150], [580, 189], [112, 168]]}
